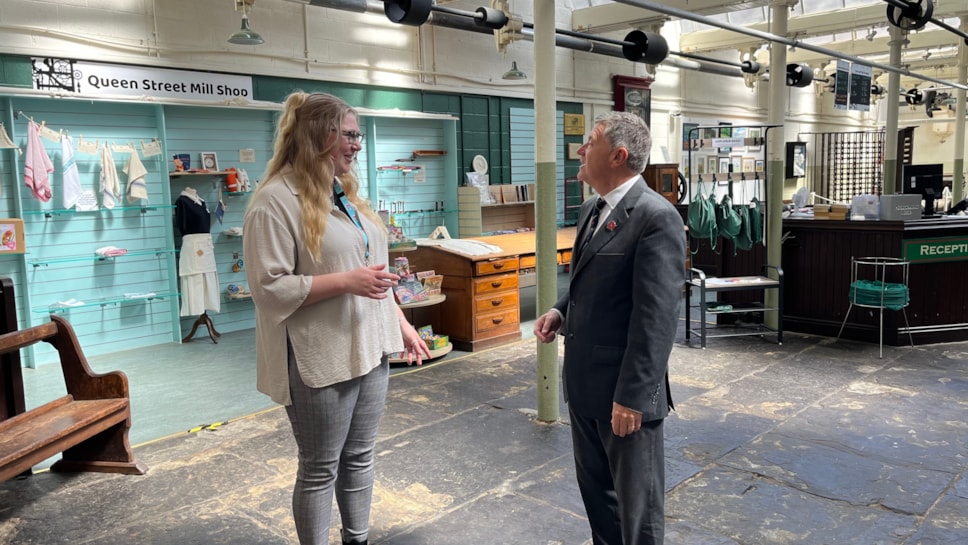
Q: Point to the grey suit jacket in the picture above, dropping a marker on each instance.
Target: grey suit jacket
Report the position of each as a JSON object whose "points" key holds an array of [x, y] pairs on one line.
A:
{"points": [[621, 309]]}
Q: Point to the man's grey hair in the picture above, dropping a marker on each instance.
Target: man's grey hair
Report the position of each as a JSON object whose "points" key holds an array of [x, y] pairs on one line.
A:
{"points": [[629, 131]]}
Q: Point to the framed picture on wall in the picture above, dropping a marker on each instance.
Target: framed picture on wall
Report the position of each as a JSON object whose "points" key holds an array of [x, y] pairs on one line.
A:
{"points": [[739, 132], [759, 166], [712, 164], [736, 163], [748, 163], [689, 133], [633, 95], [725, 131], [209, 160], [723, 167], [755, 133]]}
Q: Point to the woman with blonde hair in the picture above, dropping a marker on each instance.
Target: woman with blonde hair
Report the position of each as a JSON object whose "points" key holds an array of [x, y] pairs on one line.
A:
{"points": [[316, 262]]}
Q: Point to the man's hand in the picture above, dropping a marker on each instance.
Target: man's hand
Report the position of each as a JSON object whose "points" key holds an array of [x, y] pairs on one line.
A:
{"points": [[547, 326], [625, 421]]}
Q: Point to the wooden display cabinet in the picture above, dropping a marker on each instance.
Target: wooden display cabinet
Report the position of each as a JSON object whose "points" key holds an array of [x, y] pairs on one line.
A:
{"points": [[664, 179]]}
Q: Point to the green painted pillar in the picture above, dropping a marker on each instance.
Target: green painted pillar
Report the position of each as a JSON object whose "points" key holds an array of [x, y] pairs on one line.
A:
{"points": [[546, 246]]}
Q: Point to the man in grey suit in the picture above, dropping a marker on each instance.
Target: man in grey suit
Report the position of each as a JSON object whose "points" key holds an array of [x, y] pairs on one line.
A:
{"points": [[619, 320]]}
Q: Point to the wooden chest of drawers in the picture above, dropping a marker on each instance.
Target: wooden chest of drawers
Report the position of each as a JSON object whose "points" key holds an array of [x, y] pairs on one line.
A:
{"points": [[483, 306]]}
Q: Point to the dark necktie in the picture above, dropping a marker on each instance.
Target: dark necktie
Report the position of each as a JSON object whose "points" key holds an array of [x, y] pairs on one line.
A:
{"points": [[593, 221]]}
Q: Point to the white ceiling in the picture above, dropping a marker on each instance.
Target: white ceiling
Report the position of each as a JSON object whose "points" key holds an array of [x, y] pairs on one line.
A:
{"points": [[837, 25]]}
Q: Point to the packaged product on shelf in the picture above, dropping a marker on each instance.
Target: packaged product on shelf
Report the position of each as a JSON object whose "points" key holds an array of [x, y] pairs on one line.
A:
{"points": [[401, 266], [437, 342], [432, 284], [403, 294], [409, 291]]}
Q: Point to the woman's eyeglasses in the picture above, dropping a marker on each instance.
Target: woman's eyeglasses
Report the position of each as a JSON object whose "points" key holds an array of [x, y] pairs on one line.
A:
{"points": [[354, 136]]}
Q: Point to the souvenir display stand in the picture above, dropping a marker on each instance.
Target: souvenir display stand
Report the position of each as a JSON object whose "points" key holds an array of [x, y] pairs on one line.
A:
{"points": [[720, 158]]}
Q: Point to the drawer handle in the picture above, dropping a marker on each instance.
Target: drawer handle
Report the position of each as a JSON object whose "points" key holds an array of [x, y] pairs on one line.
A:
{"points": [[496, 321], [498, 265], [497, 302], [497, 284]]}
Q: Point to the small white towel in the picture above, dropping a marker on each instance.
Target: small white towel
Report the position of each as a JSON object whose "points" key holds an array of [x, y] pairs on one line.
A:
{"points": [[37, 165], [136, 172], [110, 187], [72, 179]]}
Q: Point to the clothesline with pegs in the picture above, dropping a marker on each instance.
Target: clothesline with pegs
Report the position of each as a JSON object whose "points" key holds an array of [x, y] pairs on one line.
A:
{"points": [[5, 141], [149, 149]]}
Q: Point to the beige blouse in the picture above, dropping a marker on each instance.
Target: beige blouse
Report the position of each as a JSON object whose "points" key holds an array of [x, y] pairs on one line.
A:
{"points": [[333, 340]]}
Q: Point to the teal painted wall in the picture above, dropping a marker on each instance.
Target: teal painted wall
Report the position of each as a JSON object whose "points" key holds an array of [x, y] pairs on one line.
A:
{"points": [[60, 263]]}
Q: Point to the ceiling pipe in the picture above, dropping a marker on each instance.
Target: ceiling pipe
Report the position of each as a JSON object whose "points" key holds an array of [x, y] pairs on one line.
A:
{"points": [[766, 36], [453, 19]]}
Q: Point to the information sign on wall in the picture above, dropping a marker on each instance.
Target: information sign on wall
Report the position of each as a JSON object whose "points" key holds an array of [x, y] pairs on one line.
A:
{"points": [[108, 80]]}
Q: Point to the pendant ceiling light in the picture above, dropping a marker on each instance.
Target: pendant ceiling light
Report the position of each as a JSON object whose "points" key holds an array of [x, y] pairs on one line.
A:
{"points": [[245, 35], [514, 73]]}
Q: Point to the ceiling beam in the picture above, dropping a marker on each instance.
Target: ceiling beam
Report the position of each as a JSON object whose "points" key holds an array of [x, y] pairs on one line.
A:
{"points": [[804, 26], [613, 17]]}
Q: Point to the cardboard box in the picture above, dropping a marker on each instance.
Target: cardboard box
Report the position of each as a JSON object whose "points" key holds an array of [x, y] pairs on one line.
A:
{"points": [[12, 236]]}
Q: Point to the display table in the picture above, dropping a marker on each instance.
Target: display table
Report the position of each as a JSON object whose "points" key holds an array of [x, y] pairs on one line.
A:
{"points": [[482, 309]]}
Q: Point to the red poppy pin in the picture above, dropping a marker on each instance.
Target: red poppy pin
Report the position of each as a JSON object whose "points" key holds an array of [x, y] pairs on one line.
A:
{"points": [[611, 226]]}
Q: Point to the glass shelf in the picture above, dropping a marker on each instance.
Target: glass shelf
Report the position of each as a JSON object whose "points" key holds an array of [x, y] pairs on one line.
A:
{"points": [[54, 309], [209, 173], [421, 213], [499, 204], [95, 257], [63, 211]]}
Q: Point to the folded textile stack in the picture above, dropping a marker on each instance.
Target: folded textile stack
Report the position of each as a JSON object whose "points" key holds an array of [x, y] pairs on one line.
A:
{"points": [[140, 295], [110, 251], [68, 304]]}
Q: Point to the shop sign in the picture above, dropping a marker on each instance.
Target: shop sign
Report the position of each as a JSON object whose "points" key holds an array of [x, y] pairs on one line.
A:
{"points": [[926, 250], [112, 80]]}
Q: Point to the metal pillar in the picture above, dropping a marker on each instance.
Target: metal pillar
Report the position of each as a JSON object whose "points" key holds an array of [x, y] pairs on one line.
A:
{"points": [[957, 182], [545, 206], [780, 14], [889, 172]]}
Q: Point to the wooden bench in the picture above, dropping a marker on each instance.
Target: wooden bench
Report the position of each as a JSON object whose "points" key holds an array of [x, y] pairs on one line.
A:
{"points": [[89, 425]]}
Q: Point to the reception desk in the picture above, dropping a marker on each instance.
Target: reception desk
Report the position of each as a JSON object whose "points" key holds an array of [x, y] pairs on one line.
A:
{"points": [[482, 309], [817, 256]]}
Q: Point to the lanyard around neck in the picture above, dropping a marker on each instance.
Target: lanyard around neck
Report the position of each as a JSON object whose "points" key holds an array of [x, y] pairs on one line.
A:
{"points": [[347, 207]]}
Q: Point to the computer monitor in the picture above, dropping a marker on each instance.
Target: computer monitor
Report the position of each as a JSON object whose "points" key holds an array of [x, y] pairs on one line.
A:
{"points": [[924, 180]]}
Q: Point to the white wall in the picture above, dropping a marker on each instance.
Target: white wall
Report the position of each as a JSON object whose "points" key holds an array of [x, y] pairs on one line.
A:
{"points": [[328, 44]]}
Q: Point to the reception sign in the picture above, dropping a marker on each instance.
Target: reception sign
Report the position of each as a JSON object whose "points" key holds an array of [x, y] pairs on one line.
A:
{"points": [[928, 250]]}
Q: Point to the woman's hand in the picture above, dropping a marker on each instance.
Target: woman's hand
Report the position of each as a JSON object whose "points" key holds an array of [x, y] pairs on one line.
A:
{"points": [[414, 346], [371, 281]]}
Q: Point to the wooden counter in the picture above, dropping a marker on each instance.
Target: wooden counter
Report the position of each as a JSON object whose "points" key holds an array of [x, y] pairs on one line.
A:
{"points": [[816, 264], [482, 309], [816, 259]]}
